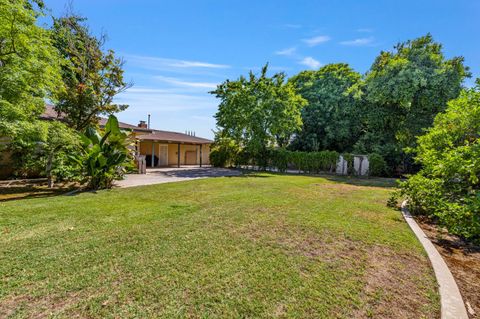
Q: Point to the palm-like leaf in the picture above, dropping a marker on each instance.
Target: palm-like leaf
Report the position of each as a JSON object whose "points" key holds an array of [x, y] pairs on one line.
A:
{"points": [[105, 156]]}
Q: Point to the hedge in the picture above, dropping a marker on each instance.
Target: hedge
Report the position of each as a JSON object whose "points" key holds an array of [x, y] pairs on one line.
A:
{"points": [[308, 162]]}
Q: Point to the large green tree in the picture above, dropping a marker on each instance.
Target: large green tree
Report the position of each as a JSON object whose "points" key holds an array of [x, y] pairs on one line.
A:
{"points": [[331, 118], [92, 77], [29, 74], [402, 93], [29, 65], [258, 112]]}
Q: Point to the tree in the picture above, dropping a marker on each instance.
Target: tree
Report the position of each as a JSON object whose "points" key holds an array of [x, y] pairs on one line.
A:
{"points": [[59, 144], [258, 112], [224, 152], [104, 158], [402, 93], [91, 77], [29, 73], [29, 68], [331, 118], [448, 186]]}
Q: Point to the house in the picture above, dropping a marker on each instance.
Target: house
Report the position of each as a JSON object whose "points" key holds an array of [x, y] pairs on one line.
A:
{"points": [[160, 148], [168, 148]]}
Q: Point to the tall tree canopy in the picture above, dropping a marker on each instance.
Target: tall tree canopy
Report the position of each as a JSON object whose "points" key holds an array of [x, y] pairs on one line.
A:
{"points": [[29, 69], [331, 118], [258, 112], [402, 93], [29, 74], [91, 76]]}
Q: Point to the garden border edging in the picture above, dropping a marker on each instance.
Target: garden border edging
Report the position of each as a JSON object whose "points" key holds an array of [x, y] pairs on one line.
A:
{"points": [[452, 305]]}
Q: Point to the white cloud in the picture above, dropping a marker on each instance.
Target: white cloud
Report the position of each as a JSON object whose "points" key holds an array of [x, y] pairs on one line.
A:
{"points": [[141, 103], [196, 64], [174, 81], [358, 42], [316, 40], [287, 51], [159, 63], [310, 62]]}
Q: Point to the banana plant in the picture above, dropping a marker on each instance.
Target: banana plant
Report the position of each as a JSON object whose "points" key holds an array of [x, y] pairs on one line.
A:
{"points": [[105, 158]]}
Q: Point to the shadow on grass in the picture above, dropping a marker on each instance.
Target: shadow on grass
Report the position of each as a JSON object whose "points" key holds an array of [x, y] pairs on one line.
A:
{"points": [[363, 181], [10, 193], [351, 180]]}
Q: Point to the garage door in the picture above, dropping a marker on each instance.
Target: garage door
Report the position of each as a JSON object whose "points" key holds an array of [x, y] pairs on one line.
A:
{"points": [[191, 157]]}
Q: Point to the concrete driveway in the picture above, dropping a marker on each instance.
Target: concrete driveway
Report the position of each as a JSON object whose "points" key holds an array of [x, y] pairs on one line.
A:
{"points": [[168, 175]]}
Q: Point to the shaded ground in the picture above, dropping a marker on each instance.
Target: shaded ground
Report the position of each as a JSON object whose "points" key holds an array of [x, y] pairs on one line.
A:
{"points": [[31, 190], [463, 259], [255, 246]]}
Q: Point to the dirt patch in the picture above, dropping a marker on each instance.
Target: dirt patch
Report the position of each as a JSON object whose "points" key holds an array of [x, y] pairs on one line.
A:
{"points": [[38, 307], [393, 286], [463, 259]]}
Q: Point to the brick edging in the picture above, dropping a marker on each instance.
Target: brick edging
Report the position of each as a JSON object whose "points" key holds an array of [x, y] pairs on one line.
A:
{"points": [[452, 305]]}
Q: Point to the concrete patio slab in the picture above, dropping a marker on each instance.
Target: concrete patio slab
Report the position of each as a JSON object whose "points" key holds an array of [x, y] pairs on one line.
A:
{"points": [[169, 175]]}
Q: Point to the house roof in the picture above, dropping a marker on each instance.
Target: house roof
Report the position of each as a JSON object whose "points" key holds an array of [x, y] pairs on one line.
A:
{"points": [[166, 136], [149, 134], [51, 114], [123, 125]]}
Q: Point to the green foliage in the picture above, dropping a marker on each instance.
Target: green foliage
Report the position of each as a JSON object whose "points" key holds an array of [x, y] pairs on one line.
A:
{"points": [[29, 73], [218, 158], [91, 76], [224, 152], [377, 165], [312, 162], [41, 150], [448, 185], [331, 120], [105, 158], [402, 93], [29, 69], [258, 113], [280, 159], [380, 113]]}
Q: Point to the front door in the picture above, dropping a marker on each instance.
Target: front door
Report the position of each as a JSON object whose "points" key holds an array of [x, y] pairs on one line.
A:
{"points": [[163, 155]]}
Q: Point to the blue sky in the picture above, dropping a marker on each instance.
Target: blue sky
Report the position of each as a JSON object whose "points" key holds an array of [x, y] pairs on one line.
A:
{"points": [[177, 51]]}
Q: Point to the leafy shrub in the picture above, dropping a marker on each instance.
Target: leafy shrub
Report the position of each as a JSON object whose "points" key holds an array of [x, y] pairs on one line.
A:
{"points": [[312, 162], [280, 159], [104, 158], [218, 158], [448, 186], [224, 152], [377, 165]]}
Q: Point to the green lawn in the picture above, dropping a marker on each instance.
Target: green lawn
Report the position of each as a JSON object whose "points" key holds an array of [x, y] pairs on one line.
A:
{"points": [[258, 246]]}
